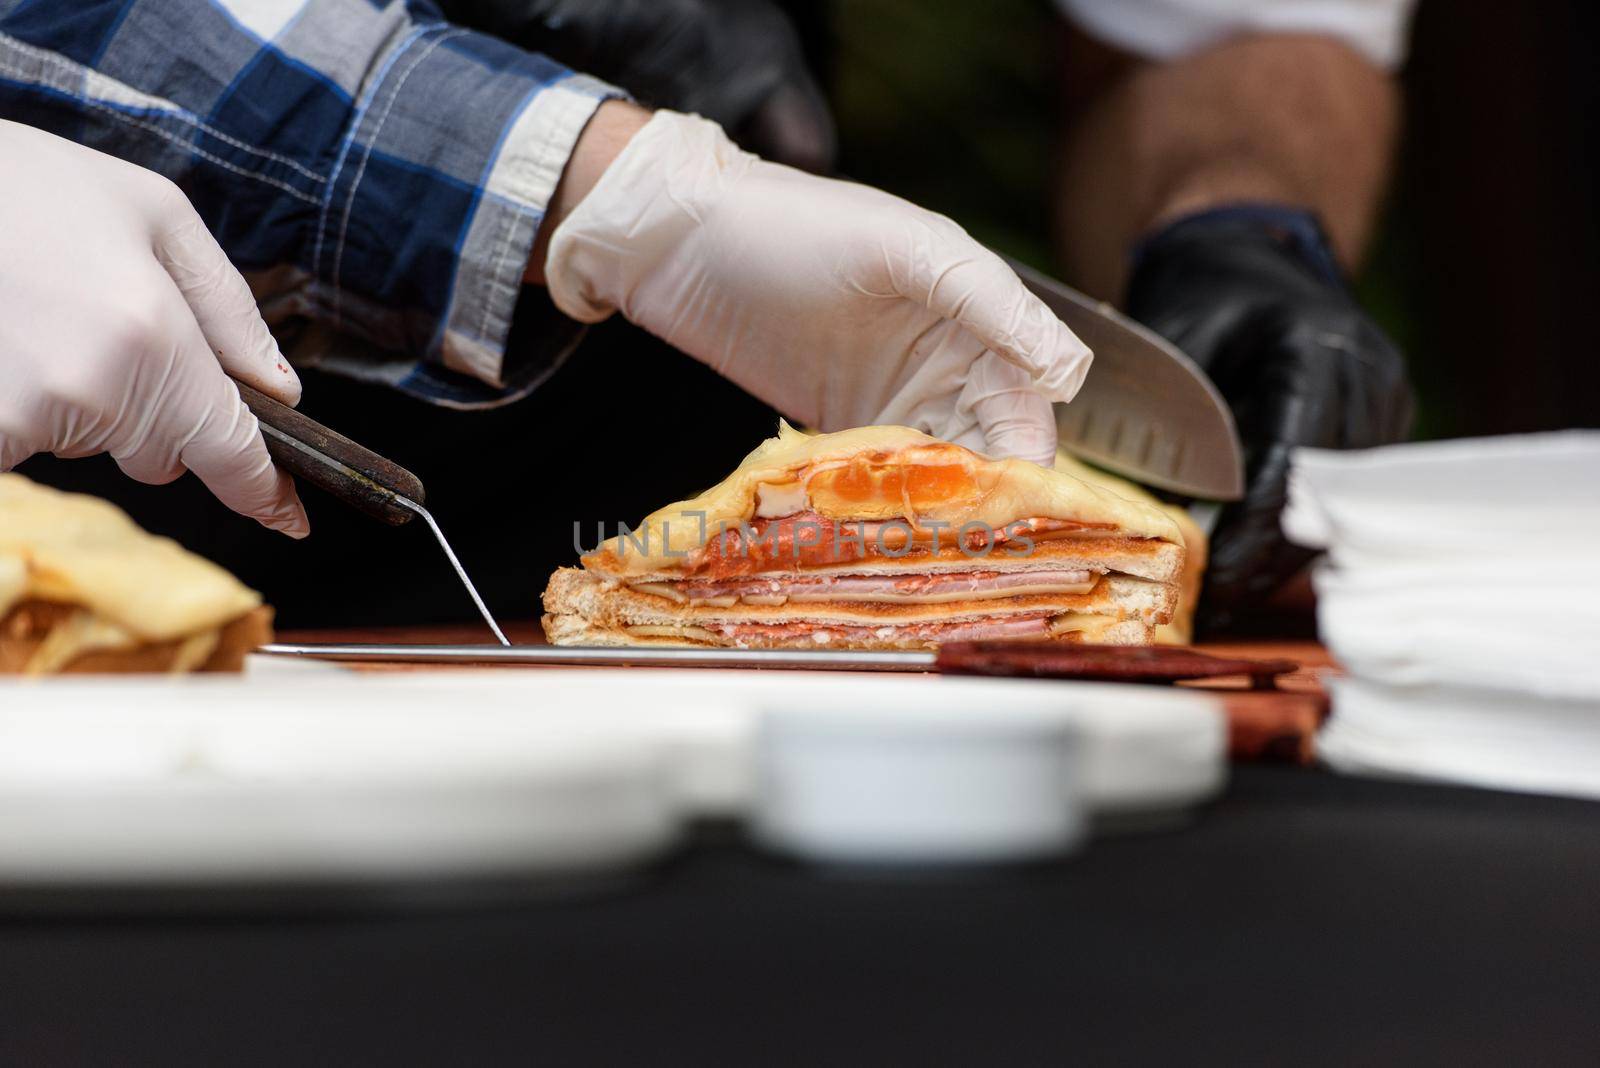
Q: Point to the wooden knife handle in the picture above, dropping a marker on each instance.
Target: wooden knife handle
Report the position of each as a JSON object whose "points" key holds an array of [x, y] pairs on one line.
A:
{"points": [[356, 475], [1059, 660]]}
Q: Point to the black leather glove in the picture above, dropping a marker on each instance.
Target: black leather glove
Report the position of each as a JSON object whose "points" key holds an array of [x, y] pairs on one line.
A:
{"points": [[737, 62], [1254, 296]]}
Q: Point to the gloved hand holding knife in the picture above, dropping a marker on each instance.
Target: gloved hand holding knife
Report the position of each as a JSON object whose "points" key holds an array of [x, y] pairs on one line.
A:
{"points": [[1221, 192], [1253, 295], [837, 304]]}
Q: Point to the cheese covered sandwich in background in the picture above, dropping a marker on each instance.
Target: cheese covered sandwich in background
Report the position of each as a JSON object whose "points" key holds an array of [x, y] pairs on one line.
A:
{"points": [[879, 537], [83, 589]]}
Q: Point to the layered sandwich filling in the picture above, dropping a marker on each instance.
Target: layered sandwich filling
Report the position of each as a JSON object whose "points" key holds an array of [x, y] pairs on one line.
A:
{"points": [[810, 539], [879, 537], [773, 590]]}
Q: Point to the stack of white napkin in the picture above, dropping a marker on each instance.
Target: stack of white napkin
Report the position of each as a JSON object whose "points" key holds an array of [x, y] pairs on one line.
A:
{"points": [[1462, 593]]}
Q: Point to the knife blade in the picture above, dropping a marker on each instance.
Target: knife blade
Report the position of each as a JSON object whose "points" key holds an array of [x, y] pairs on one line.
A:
{"points": [[1008, 659], [1145, 411], [596, 656]]}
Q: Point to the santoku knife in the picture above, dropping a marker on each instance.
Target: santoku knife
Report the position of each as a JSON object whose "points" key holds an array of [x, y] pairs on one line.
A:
{"points": [[1145, 410]]}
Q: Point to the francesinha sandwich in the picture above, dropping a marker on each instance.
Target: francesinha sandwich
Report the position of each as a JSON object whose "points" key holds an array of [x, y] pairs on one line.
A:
{"points": [[877, 538], [83, 589]]}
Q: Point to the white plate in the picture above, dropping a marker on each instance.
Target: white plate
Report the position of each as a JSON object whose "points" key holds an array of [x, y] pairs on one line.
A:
{"points": [[335, 777], [316, 780], [1150, 751], [272, 668]]}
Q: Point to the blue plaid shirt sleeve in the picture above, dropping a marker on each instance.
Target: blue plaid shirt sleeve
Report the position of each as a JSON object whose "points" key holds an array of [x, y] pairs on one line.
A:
{"points": [[378, 174]]}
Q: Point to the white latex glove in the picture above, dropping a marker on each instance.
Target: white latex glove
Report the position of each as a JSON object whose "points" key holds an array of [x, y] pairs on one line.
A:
{"points": [[837, 304], [118, 316]]}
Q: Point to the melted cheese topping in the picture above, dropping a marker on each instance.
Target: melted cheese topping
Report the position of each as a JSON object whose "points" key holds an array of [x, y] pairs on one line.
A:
{"points": [[776, 500], [877, 472], [79, 550]]}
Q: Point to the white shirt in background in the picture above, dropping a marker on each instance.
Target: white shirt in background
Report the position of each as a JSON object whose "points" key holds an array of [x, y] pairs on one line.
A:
{"points": [[1162, 29]]}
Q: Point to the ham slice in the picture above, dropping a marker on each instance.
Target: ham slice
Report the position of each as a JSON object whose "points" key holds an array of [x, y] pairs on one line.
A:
{"points": [[905, 589], [1018, 627]]}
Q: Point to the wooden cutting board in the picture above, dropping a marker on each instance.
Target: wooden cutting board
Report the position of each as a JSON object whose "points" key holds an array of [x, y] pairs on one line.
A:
{"points": [[1276, 724]]}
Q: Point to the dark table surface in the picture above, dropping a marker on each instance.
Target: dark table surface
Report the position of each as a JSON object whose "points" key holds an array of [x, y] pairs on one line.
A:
{"points": [[1305, 918]]}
